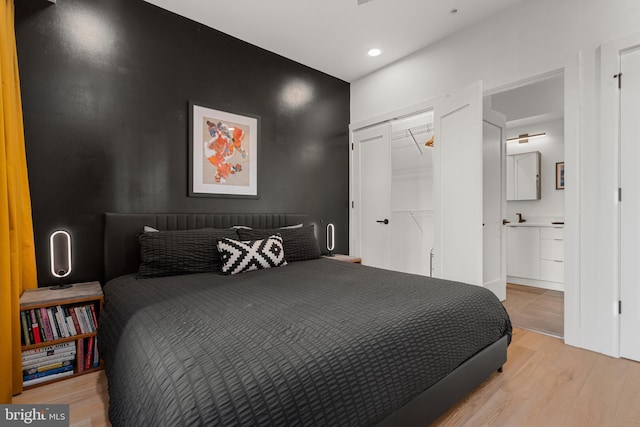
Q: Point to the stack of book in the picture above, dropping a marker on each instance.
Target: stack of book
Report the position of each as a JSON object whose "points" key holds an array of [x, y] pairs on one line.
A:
{"points": [[48, 363], [51, 323]]}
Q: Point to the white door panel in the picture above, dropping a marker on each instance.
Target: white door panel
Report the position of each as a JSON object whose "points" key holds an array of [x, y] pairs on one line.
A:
{"points": [[458, 187], [630, 205], [494, 271], [372, 150]]}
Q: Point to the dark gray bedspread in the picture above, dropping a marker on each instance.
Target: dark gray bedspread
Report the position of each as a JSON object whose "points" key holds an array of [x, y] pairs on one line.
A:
{"points": [[317, 342]]}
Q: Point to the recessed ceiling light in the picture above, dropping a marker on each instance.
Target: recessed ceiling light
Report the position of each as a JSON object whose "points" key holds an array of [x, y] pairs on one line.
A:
{"points": [[374, 52]]}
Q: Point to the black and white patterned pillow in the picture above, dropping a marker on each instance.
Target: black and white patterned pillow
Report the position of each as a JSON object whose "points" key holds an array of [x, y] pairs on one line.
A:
{"points": [[239, 257]]}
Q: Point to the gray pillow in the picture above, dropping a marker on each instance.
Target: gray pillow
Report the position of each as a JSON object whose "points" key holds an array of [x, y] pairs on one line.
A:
{"points": [[170, 253], [300, 243]]}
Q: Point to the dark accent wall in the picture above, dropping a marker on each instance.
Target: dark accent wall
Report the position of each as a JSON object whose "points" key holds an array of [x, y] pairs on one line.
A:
{"points": [[105, 92]]}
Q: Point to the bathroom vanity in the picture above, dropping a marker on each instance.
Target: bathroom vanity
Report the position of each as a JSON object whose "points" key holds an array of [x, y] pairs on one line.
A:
{"points": [[536, 255]]}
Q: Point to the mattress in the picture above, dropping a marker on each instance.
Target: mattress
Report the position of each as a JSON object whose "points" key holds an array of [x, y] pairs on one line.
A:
{"points": [[317, 342]]}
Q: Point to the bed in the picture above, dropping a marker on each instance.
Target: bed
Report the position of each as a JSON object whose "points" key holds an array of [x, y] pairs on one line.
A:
{"points": [[312, 342]]}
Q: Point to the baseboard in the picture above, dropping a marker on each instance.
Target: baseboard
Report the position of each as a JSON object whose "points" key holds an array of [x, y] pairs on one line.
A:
{"points": [[553, 286]]}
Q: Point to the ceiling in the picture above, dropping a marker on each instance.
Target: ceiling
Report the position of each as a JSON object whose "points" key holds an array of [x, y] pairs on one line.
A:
{"points": [[334, 36]]}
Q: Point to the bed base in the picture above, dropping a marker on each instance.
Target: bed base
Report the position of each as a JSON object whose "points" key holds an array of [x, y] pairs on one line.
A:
{"points": [[436, 400]]}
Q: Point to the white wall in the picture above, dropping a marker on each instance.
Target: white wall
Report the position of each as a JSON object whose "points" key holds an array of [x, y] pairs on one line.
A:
{"points": [[551, 148], [531, 39], [534, 38]]}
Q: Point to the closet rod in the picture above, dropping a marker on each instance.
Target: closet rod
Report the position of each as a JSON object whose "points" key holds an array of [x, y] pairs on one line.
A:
{"points": [[416, 142]]}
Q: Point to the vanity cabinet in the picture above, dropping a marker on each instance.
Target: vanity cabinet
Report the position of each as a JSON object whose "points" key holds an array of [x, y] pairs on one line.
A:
{"points": [[523, 259], [535, 256], [523, 176]]}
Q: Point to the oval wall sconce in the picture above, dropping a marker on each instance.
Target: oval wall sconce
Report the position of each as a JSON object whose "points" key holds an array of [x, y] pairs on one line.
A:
{"points": [[60, 253], [331, 238]]}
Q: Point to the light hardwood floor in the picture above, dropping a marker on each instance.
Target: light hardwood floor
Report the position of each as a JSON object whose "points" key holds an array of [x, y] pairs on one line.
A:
{"points": [[536, 309], [544, 383]]}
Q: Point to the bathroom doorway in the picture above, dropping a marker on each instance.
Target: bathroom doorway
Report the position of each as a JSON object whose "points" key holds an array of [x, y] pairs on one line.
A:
{"points": [[535, 228]]}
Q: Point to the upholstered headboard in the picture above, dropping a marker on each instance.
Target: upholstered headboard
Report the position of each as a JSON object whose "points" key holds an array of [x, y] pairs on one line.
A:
{"points": [[121, 247]]}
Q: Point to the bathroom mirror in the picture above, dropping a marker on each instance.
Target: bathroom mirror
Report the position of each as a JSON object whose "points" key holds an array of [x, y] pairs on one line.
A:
{"points": [[523, 176]]}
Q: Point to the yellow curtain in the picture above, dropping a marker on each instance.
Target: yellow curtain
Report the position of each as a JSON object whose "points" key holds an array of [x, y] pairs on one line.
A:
{"points": [[17, 255]]}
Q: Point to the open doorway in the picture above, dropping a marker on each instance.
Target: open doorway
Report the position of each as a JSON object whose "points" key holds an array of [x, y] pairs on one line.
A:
{"points": [[535, 205]]}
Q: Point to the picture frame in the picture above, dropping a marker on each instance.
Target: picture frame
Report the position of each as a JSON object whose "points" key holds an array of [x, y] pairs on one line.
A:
{"points": [[223, 152], [560, 176]]}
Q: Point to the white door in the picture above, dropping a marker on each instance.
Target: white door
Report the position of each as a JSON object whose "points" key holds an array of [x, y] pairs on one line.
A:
{"points": [[630, 204], [494, 270], [458, 187], [372, 155]]}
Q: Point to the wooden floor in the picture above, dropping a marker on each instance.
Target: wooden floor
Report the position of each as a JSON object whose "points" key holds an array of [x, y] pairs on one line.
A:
{"points": [[544, 383], [86, 395], [536, 309]]}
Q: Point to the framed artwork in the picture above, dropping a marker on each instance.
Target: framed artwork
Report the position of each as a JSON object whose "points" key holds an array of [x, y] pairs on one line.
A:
{"points": [[560, 176], [223, 153]]}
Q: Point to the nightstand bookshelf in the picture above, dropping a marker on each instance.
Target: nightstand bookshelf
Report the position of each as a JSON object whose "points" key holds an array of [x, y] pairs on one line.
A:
{"points": [[344, 258], [80, 306]]}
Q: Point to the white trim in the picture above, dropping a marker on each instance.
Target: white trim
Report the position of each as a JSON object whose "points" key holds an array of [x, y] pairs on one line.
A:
{"points": [[420, 107], [524, 82], [573, 88]]}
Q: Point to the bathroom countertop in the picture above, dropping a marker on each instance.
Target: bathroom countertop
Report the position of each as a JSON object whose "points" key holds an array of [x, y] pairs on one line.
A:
{"points": [[534, 224]]}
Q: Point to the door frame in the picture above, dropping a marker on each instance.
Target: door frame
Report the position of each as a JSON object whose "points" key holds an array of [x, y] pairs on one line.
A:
{"points": [[354, 195]]}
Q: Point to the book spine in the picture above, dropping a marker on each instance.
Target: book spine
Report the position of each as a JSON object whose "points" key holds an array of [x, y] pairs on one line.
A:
{"points": [[96, 355], [34, 327], [52, 320], [50, 377], [25, 328], [47, 373], [31, 338], [92, 325], [81, 320], [81, 356], [55, 324], [56, 316], [48, 357], [89, 356], [62, 322], [46, 367], [94, 317], [47, 324], [72, 327], [59, 346], [77, 321], [41, 327]]}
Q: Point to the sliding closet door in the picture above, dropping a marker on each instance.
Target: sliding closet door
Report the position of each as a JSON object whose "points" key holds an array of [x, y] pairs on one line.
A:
{"points": [[630, 204], [372, 161], [458, 187]]}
